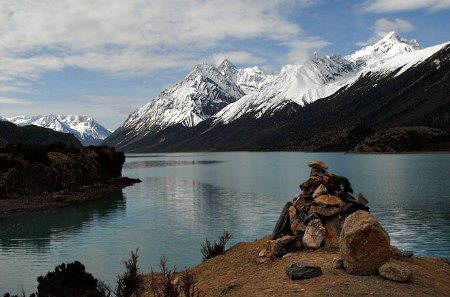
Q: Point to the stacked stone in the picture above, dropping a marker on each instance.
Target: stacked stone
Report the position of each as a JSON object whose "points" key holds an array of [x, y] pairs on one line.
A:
{"points": [[316, 215]]}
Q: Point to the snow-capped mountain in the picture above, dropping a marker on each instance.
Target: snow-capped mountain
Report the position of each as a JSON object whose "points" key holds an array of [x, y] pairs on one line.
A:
{"points": [[321, 76], [301, 83], [256, 95], [200, 95], [86, 129], [389, 46], [248, 79]]}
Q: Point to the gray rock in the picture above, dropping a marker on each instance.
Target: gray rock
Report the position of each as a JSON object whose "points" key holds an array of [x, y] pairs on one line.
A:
{"points": [[314, 234], [363, 244], [395, 272], [303, 271], [337, 263]]}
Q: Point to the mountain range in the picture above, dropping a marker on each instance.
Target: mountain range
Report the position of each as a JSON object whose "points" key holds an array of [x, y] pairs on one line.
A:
{"points": [[85, 129], [322, 103]]}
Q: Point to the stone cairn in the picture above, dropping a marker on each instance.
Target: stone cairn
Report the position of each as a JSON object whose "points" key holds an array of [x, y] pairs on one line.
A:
{"points": [[326, 214], [315, 216]]}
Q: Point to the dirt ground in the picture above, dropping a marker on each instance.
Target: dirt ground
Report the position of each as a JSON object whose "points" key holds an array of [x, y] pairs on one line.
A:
{"points": [[239, 273], [63, 198]]}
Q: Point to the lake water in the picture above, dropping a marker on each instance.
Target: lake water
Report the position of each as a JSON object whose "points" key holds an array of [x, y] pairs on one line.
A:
{"points": [[185, 198]]}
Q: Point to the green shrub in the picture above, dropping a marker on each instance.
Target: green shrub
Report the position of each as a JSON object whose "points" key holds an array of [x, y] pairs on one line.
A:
{"points": [[210, 250], [70, 280], [131, 283]]}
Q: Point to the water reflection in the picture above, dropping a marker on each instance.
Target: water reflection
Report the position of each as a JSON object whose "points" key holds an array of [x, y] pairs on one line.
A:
{"points": [[36, 230], [165, 163]]}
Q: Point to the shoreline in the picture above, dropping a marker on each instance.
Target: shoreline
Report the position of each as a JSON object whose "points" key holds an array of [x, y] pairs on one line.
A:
{"points": [[63, 198]]}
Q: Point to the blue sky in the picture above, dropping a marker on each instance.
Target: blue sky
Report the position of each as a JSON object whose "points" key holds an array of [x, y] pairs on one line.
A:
{"points": [[105, 58]]}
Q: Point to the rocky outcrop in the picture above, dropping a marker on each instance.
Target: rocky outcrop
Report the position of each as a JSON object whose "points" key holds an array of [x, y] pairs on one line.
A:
{"points": [[363, 244], [28, 170]]}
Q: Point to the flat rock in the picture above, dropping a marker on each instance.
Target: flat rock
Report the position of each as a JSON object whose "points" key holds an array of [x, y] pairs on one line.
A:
{"points": [[395, 272], [328, 200], [318, 164], [314, 234], [320, 190], [324, 211], [303, 271], [363, 244], [279, 246]]}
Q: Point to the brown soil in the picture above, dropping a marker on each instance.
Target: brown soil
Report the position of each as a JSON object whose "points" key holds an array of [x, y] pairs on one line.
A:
{"points": [[239, 273], [63, 198]]}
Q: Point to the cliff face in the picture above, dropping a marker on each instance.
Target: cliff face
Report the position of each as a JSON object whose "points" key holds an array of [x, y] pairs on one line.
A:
{"points": [[37, 170]]}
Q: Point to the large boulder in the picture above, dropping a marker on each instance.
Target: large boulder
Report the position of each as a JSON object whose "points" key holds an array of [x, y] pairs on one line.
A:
{"points": [[363, 244]]}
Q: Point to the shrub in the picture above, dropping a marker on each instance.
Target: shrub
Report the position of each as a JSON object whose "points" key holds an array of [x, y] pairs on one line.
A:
{"points": [[131, 283], [210, 250], [69, 280], [166, 284]]}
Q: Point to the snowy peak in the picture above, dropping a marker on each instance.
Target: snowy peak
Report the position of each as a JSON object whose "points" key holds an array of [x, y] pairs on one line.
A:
{"points": [[203, 92], [389, 46], [228, 70], [86, 129]]}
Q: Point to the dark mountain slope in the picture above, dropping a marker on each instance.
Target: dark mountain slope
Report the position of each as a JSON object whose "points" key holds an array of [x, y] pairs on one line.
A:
{"points": [[11, 133]]}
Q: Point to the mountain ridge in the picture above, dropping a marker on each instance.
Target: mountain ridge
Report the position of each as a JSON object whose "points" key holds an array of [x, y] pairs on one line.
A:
{"points": [[84, 128], [322, 85]]}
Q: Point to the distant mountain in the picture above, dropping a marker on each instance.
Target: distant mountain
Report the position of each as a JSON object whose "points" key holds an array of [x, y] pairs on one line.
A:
{"points": [[86, 129], [200, 95], [391, 83], [12, 133]]}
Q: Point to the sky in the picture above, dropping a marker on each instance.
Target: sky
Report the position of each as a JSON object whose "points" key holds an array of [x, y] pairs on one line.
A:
{"points": [[106, 58]]}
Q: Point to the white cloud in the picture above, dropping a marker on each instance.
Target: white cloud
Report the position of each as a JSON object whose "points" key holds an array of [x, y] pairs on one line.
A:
{"points": [[381, 6], [133, 37], [302, 48], [383, 26], [14, 101]]}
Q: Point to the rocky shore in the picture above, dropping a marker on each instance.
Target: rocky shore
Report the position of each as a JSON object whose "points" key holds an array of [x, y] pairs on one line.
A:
{"points": [[239, 272], [34, 177], [325, 243]]}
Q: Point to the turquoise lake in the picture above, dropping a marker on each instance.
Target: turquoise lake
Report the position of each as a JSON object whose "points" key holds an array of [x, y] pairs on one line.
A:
{"points": [[187, 197]]}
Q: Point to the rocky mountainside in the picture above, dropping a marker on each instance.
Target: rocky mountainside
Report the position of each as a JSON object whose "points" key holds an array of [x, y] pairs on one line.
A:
{"points": [[86, 129], [391, 83], [200, 95], [11, 133]]}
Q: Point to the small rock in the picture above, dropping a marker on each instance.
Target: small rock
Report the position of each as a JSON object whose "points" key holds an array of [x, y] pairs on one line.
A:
{"points": [[293, 219], [332, 231], [278, 247], [261, 260], [324, 211], [328, 200], [318, 164], [303, 271], [395, 272], [321, 190], [363, 244], [337, 263], [398, 254], [314, 234], [262, 253]]}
